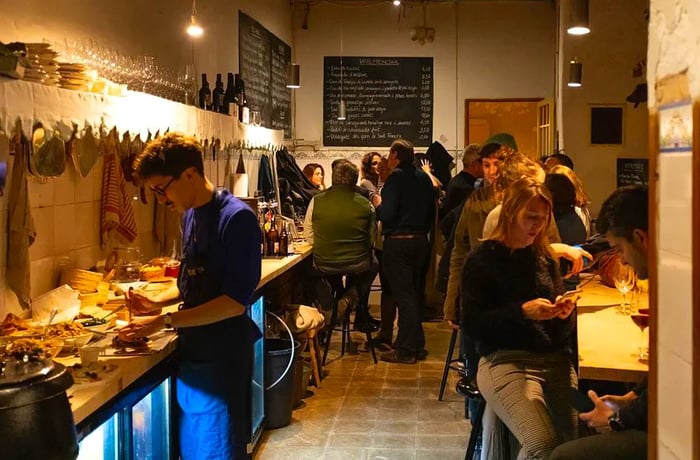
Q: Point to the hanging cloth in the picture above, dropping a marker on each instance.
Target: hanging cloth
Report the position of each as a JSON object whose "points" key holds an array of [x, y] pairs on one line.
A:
{"points": [[240, 179], [265, 182], [21, 232], [117, 212]]}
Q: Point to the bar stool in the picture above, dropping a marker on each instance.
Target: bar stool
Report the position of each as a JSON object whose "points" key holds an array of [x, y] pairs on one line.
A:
{"points": [[311, 338], [450, 364], [344, 327]]}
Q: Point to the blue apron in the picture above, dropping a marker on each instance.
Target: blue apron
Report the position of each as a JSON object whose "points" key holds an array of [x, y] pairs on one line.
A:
{"points": [[215, 368]]}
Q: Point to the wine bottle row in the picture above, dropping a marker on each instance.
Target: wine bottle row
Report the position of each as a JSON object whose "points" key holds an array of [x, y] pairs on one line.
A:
{"points": [[231, 101]]}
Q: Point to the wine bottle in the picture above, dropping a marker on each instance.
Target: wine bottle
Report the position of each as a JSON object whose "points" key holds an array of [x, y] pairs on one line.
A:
{"points": [[204, 94], [283, 241], [244, 111], [228, 94], [217, 97], [272, 238]]}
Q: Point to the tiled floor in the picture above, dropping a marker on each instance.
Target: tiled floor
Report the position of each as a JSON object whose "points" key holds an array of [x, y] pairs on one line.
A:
{"points": [[383, 411]]}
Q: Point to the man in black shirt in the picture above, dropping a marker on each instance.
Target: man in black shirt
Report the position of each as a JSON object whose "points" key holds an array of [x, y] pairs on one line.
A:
{"points": [[462, 185], [623, 220], [406, 212]]}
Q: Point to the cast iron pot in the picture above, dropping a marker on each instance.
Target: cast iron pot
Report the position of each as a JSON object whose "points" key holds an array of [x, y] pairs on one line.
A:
{"points": [[35, 416]]}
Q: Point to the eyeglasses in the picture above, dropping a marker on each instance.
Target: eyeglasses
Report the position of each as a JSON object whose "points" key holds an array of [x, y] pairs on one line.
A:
{"points": [[161, 191]]}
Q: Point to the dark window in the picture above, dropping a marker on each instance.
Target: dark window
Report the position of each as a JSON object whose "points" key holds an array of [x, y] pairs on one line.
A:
{"points": [[606, 125]]}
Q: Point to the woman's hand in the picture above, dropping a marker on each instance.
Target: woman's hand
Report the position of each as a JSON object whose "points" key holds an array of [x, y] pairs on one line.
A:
{"points": [[566, 306], [141, 327], [453, 325], [426, 166], [540, 309], [572, 254], [376, 200], [598, 417]]}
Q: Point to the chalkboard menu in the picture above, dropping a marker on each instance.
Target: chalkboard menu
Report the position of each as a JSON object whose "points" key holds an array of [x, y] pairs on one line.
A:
{"points": [[385, 98], [263, 59], [632, 171]]}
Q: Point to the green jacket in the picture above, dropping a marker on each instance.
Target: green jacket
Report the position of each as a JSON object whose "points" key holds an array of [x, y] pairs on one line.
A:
{"points": [[343, 226]]}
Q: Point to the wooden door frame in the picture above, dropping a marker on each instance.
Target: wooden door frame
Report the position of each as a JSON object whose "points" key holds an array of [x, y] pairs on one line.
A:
{"points": [[652, 397], [466, 109], [696, 281]]}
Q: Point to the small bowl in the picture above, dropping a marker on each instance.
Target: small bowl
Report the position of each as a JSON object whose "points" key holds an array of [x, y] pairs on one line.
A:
{"points": [[89, 355], [76, 341]]}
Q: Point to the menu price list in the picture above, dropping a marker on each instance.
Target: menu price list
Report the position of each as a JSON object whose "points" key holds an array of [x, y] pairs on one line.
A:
{"points": [[385, 98], [263, 60]]}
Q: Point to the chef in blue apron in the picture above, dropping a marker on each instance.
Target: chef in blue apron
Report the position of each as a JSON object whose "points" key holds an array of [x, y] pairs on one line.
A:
{"points": [[219, 272]]}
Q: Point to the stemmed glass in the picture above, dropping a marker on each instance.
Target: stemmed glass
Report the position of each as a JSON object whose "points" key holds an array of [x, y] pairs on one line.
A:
{"points": [[186, 80], [624, 282], [641, 319]]}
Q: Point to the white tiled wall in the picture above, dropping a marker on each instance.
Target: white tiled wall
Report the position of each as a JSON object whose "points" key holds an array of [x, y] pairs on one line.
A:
{"points": [[675, 338]]}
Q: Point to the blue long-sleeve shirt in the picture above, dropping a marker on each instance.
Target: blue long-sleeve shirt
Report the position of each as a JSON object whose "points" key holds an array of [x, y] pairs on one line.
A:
{"points": [[408, 201]]}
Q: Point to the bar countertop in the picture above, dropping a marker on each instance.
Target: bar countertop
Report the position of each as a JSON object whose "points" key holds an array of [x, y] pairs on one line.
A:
{"points": [[89, 397]]}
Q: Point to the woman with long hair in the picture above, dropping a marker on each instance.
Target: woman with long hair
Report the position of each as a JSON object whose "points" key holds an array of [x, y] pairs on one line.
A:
{"points": [[315, 173], [582, 198], [524, 330]]}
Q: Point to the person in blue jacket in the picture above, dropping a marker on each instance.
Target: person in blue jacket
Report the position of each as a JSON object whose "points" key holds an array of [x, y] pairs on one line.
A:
{"points": [[219, 273]]}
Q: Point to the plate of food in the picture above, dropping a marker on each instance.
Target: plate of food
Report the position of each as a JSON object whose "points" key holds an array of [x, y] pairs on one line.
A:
{"points": [[23, 346], [93, 373]]}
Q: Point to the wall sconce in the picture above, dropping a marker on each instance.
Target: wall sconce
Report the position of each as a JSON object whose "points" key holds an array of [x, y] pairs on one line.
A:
{"points": [[575, 73], [194, 29], [578, 17], [293, 76]]}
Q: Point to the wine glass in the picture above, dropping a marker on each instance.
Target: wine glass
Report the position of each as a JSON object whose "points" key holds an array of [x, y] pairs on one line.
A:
{"points": [[623, 276], [255, 118], [641, 319], [186, 80]]}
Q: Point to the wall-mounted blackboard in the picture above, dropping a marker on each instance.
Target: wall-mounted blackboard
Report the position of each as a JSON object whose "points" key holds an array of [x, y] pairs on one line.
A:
{"points": [[385, 97], [632, 171], [262, 61]]}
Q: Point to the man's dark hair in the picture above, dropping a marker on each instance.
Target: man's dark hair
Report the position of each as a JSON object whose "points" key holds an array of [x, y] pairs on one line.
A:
{"points": [[497, 151], [344, 172], [563, 159], [403, 149], [169, 155], [626, 210]]}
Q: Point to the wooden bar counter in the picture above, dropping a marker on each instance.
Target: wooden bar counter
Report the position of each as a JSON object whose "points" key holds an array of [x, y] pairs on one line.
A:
{"points": [[87, 398], [608, 340]]}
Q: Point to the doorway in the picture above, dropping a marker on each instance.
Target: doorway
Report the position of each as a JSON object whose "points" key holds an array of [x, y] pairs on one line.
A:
{"points": [[529, 120]]}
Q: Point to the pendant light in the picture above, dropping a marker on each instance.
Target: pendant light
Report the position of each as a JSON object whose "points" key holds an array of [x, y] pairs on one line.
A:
{"points": [[578, 17], [194, 29], [575, 73], [341, 105], [293, 76]]}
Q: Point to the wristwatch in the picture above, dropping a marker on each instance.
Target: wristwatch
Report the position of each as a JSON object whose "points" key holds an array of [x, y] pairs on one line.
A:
{"points": [[615, 423], [168, 320]]}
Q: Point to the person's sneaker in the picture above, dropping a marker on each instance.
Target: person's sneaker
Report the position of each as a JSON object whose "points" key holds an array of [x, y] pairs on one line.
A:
{"points": [[394, 357], [422, 355]]}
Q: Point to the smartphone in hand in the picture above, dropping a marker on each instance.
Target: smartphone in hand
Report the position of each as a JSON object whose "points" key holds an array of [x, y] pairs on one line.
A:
{"points": [[580, 401]]}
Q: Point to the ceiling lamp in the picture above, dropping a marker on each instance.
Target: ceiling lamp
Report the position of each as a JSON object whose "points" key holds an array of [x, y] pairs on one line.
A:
{"points": [[575, 73], [293, 76], [578, 17], [397, 2], [194, 29]]}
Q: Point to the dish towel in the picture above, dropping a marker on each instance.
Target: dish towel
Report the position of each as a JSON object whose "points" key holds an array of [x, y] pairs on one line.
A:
{"points": [[21, 232], [117, 213]]}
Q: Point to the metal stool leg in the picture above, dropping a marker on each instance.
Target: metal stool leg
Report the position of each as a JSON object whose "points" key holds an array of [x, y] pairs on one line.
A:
{"points": [[327, 345], [448, 361], [476, 430]]}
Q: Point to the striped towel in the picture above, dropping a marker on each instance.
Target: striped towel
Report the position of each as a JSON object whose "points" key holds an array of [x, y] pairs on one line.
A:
{"points": [[117, 212]]}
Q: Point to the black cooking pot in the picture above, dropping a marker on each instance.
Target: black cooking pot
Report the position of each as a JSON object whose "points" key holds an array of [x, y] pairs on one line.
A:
{"points": [[35, 416]]}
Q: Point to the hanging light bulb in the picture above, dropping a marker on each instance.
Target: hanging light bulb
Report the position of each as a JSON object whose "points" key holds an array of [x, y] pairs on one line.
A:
{"points": [[578, 17], [575, 73], [397, 2], [194, 29], [341, 110], [293, 76]]}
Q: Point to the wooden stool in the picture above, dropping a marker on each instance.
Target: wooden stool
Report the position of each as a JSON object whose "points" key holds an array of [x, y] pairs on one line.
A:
{"points": [[312, 340]]}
